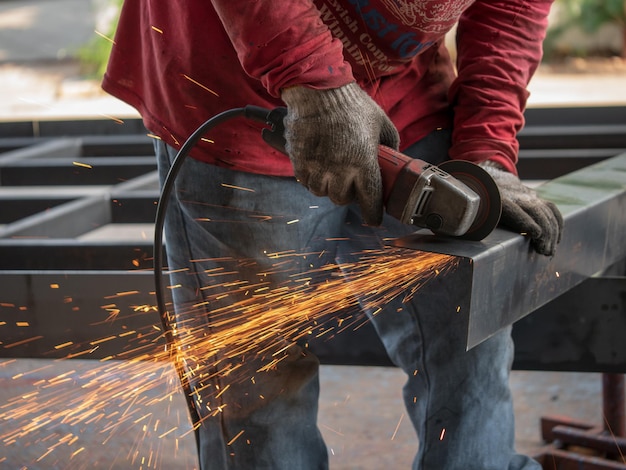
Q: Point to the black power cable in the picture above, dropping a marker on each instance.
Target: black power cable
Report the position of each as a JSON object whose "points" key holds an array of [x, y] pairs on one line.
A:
{"points": [[274, 136]]}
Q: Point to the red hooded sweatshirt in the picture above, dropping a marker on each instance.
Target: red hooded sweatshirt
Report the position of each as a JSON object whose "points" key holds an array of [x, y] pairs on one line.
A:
{"points": [[179, 62]]}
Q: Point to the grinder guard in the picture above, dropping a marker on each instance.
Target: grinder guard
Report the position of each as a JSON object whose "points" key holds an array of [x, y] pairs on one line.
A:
{"points": [[458, 198]]}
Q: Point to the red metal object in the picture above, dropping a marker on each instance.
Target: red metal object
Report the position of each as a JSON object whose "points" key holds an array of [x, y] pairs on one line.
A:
{"points": [[613, 404], [580, 446]]}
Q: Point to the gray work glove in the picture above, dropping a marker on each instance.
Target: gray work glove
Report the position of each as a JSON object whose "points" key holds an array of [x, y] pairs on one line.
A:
{"points": [[332, 139], [525, 212]]}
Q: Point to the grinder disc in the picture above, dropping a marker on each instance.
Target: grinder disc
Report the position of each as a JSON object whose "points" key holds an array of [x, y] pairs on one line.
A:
{"points": [[479, 181]]}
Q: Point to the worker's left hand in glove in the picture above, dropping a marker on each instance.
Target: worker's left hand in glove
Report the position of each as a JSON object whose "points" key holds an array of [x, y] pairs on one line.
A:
{"points": [[525, 212], [332, 139]]}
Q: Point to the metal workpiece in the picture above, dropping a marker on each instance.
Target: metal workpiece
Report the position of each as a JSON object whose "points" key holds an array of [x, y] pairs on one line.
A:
{"points": [[501, 279], [89, 312], [58, 233], [581, 330]]}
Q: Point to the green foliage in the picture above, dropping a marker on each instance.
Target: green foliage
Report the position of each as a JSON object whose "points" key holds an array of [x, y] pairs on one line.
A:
{"points": [[95, 54], [590, 15], [587, 15]]}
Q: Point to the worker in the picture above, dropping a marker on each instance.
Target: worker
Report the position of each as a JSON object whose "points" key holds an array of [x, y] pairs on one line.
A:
{"points": [[244, 217]]}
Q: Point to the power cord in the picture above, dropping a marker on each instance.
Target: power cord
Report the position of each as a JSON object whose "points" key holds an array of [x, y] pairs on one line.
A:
{"points": [[273, 136]]}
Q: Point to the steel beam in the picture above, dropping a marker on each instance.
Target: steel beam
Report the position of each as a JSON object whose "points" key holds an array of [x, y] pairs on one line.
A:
{"points": [[87, 171], [64, 147], [71, 254], [501, 280], [590, 208], [547, 164], [581, 330], [85, 314]]}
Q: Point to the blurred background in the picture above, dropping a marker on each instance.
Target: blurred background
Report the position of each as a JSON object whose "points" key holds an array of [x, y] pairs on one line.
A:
{"points": [[53, 53], [52, 57]]}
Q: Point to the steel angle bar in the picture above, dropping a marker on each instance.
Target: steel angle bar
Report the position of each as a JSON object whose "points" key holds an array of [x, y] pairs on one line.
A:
{"points": [[9, 144], [87, 171], [501, 279], [118, 145], [576, 136], [85, 314], [63, 221], [62, 147], [72, 254], [13, 208], [88, 127], [581, 330], [575, 115]]}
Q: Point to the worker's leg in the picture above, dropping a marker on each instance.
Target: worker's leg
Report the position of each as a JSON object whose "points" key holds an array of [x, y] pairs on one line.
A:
{"points": [[459, 402], [232, 240]]}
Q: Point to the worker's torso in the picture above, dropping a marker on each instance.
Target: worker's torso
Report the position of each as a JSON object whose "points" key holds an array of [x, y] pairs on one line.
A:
{"points": [[383, 36], [175, 63]]}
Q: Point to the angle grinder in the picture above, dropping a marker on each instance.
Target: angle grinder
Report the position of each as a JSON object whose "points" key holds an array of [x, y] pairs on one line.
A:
{"points": [[456, 198]]}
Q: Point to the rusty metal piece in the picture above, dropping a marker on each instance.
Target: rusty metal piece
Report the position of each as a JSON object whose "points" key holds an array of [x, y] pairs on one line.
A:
{"points": [[548, 423], [601, 442], [613, 404], [578, 445], [556, 459]]}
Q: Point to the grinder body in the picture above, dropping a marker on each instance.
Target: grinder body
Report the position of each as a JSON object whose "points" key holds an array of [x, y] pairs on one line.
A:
{"points": [[421, 194], [456, 198]]}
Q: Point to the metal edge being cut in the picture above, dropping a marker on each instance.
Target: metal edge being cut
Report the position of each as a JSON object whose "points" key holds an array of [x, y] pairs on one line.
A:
{"points": [[500, 279]]}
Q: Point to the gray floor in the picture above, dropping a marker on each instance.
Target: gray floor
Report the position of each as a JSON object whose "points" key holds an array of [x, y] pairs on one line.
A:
{"points": [[76, 414]]}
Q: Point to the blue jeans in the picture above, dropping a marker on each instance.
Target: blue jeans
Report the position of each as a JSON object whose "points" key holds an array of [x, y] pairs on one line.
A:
{"points": [[230, 234]]}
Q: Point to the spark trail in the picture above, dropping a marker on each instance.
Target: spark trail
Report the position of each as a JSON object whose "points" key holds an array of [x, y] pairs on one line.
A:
{"points": [[260, 322]]}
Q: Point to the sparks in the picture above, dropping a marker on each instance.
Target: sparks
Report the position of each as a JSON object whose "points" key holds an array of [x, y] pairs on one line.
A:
{"points": [[255, 320], [235, 438], [104, 36], [397, 427], [225, 185], [112, 118], [200, 85]]}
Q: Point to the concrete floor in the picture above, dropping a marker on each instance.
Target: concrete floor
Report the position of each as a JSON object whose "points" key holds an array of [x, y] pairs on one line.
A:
{"points": [[361, 415]]}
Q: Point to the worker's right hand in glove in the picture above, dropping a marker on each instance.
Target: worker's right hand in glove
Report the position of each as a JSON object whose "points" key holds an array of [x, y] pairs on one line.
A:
{"points": [[332, 139], [525, 212]]}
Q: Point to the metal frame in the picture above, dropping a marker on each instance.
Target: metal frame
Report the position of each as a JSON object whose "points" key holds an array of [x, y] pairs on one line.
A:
{"points": [[50, 236], [493, 295], [63, 294]]}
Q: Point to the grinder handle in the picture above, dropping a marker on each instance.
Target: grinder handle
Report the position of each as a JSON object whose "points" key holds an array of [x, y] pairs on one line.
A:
{"points": [[391, 164]]}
